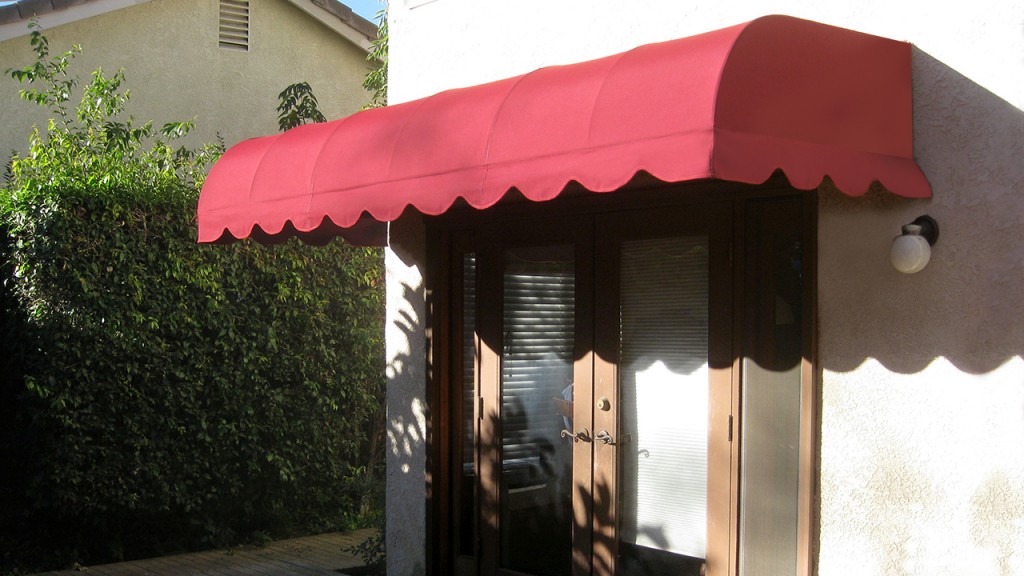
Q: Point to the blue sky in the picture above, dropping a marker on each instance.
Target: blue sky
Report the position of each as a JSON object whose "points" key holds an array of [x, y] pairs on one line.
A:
{"points": [[366, 8]]}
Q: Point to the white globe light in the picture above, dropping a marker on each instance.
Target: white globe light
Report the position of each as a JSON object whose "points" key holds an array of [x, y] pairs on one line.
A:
{"points": [[910, 252]]}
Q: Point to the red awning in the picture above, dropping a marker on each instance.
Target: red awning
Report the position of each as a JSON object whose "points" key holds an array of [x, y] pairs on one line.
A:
{"points": [[734, 104]]}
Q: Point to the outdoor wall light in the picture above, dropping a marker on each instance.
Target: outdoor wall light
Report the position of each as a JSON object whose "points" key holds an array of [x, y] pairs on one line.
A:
{"points": [[912, 249]]}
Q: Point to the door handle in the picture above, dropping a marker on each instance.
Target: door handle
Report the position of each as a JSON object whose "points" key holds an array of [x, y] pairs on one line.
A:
{"points": [[582, 435], [605, 438]]}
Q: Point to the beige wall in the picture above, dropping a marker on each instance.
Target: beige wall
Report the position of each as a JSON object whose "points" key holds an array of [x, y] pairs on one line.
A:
{"points": [[922, 377], [176, 70]]}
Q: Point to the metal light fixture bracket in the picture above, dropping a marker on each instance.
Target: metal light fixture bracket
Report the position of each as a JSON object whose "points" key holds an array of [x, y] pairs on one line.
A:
{"points": [[929, 228]]}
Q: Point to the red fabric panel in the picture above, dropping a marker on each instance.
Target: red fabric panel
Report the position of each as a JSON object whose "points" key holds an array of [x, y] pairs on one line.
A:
{"points": [[828, 101], [734, 104]]}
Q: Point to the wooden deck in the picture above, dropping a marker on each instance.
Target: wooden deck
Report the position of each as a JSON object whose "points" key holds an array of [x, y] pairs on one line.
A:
{"points": [[321, 555]]}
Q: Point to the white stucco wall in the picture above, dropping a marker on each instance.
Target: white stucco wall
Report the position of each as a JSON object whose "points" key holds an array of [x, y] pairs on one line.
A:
{"points": [[176, 70], [405, 491], [922, 387]]}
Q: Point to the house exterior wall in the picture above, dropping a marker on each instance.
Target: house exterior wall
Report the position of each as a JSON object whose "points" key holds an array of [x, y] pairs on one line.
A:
{"points": [[405, 336], [176, 70], [921, 377]]}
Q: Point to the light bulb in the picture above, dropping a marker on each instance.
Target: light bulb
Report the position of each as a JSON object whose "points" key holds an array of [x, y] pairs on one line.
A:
{"points": [[910, 251]]}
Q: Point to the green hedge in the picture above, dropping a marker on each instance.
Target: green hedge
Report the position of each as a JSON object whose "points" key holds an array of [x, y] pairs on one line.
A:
{"points": [[159, 394], [235, 386]]}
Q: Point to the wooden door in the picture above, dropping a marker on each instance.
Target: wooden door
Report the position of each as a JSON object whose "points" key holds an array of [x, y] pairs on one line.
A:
{"points": [[664, 392], [581, 327]]}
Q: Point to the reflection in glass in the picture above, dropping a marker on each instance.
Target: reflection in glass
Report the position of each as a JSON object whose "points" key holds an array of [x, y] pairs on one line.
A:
{"points": [[663, 404], [536, 371]]}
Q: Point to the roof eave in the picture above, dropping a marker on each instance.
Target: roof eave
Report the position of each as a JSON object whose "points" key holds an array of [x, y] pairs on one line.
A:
{"points": [[335, 15], [340, 18], [54, 18]]}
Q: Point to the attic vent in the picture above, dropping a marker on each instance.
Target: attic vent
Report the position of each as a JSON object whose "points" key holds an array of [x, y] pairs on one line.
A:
{"points": [[234, 24]]}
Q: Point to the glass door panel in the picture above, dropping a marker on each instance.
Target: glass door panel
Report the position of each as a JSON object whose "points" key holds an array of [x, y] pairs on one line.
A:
{"points": [[772, 388], [538, 340], [663, 405]]}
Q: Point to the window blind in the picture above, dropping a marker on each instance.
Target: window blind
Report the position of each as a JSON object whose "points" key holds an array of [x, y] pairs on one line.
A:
{"points": [[664, 394], [539, 324]]}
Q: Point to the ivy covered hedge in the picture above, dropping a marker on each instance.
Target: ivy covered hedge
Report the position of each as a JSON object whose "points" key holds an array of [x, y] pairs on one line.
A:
{"points": [[158, 394]]}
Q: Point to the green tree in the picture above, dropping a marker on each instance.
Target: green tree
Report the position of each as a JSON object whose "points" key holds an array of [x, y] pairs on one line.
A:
{"points": [[297, 106], [376, 80], [164, 391]]}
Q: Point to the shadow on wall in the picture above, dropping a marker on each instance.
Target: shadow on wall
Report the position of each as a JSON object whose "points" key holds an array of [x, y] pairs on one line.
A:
{"points": [[407, 418], [922, 473], [966, 305]]}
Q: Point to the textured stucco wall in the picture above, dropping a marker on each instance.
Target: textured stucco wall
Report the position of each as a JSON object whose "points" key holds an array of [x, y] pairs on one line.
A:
{"points": [[406, 399], [922, 442], [176, 70], [922, 470], [922, 416]]}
